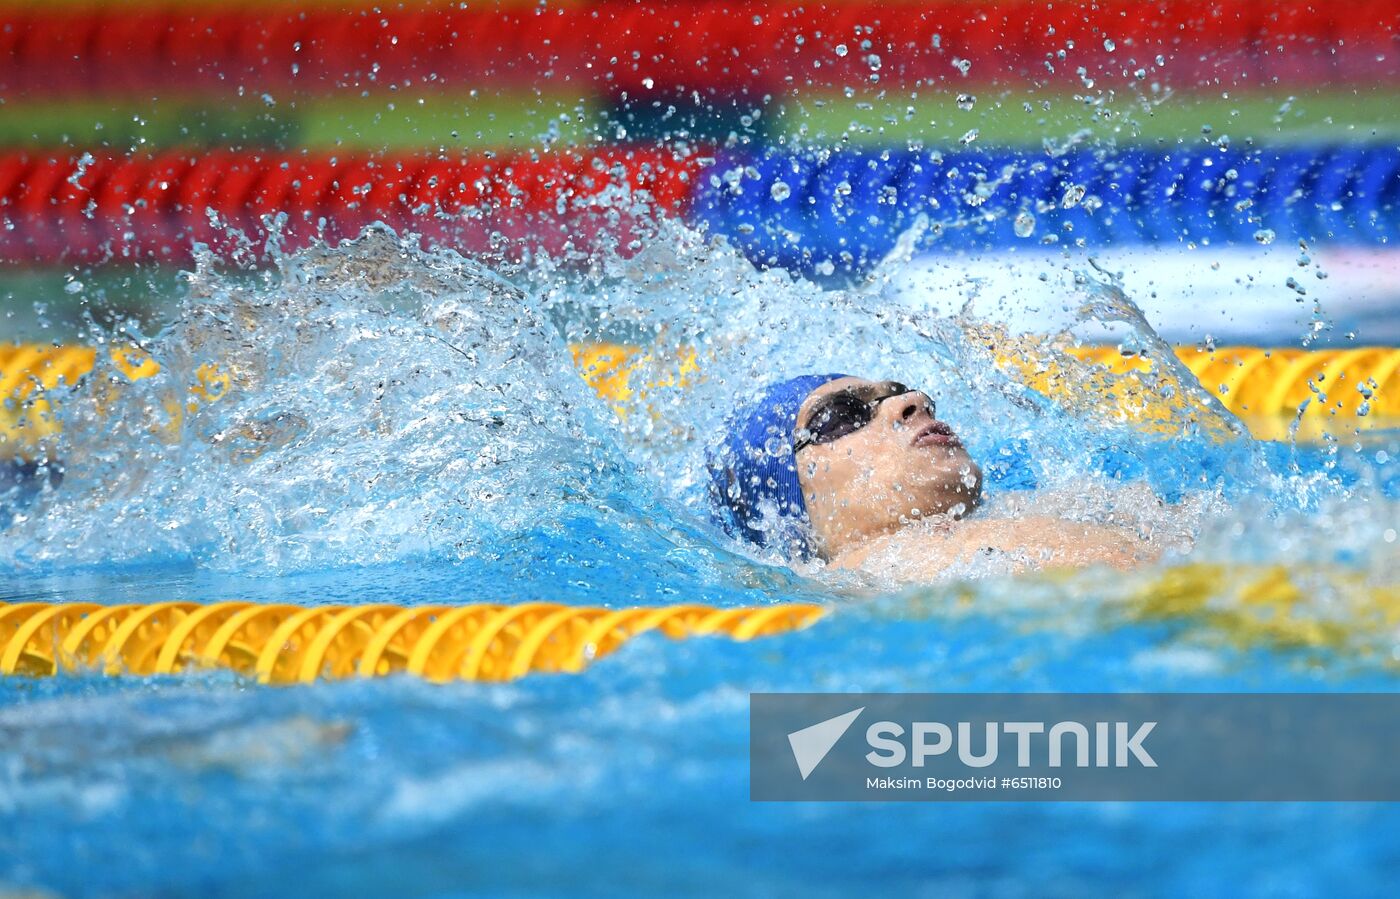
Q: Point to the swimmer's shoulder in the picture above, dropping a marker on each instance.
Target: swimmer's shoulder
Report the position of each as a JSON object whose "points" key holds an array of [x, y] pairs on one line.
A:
{"points": [[928, 543], [924, 550], [1048, 541]]}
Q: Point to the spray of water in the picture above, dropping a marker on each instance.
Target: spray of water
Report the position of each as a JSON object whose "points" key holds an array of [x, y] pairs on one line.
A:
{"points": [[386, 402]]}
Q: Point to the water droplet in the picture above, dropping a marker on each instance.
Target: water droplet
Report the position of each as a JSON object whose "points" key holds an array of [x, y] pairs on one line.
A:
{"points": [[966, 102], [969, 137], [841, 50], [80, 170], [962, 65], [268, 100], [780, 191], [1024, 225], [1265, 236], [1109, 45], [73, 287]]}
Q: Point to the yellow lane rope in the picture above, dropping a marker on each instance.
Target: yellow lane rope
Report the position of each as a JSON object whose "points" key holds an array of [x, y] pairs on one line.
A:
{"points": [[1332, 392], [1286, 607], [1339, 391], [1349, 613], [1313, 607], [288, 644], [1345, 390]]}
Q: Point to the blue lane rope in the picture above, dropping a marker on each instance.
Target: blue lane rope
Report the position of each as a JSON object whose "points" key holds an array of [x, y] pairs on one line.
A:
{"points": [[845, 210]]}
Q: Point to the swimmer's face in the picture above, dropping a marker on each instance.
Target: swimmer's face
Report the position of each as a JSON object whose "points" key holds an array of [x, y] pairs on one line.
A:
{"points": [[863, 481]]}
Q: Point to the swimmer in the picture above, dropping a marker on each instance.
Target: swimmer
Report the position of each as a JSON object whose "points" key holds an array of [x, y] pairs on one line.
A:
{"points": [[862, 475]]}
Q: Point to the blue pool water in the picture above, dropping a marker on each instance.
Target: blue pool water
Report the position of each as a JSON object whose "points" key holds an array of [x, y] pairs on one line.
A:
{"points": [[631, 778], [408, 427]]}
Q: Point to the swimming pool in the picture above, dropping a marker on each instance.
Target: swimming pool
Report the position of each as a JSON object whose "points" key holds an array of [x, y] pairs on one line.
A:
{"points": [[437, 399], [392, 421]]}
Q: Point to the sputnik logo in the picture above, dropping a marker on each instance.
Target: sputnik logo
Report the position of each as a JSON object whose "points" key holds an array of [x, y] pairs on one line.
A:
{"points": [[811, 744]]}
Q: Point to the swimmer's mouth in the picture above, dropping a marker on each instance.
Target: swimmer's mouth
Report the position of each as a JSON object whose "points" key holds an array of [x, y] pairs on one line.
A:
{"points": [[936, 434]]}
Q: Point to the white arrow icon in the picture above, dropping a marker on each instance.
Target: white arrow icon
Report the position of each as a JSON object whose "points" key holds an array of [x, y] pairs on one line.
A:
{"points": [[811, 744]]}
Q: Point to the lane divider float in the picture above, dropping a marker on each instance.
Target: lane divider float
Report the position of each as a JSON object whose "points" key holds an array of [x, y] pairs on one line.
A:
{"points": [[848, 209], [749, 47], [101, 206], [804, 212], [289, 644], [1305, 394], [1278, 393], [1285, 607]]}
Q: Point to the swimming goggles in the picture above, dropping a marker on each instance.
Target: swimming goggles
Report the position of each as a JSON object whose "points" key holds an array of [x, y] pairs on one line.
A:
{"points": [[846, 411]]}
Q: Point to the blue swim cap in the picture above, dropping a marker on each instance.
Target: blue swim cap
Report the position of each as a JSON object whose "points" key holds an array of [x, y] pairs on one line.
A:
{"points": [[754, 492]]}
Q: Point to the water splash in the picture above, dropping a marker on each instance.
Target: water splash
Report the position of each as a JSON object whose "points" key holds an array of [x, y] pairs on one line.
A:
{"points": [[383, 402], [386, 403]]}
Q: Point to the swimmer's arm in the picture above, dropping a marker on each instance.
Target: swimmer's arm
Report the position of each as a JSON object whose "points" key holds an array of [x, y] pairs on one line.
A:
{"points": [[1060, 543]]}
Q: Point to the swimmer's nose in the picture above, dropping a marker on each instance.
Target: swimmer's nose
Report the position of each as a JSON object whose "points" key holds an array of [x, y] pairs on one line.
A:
{"points": [[914, 401]]}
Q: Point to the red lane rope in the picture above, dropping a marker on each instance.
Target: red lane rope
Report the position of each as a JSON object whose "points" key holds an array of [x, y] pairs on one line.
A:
{"points": [[623, 45], [71, 208]]}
